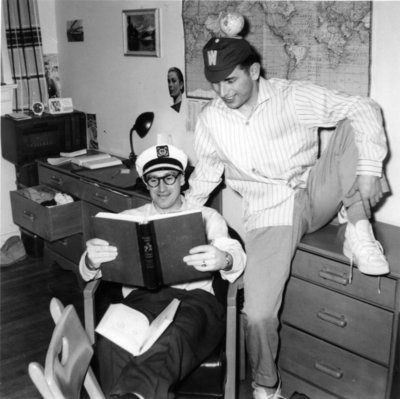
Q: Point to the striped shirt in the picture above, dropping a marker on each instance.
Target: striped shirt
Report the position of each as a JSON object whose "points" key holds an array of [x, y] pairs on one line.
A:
{"points": [[268, 156]]}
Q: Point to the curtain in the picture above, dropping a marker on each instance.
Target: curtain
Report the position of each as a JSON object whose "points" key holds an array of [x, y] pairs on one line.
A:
{"points": [[24, 43]]}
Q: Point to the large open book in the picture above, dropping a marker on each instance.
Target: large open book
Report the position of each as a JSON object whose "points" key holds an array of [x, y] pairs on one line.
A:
{"points": [[131, 330], [151, 251]]}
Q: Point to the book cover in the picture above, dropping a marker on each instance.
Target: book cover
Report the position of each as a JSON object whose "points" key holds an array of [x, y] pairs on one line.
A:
{"points": [[131, 330], [150, 252]]}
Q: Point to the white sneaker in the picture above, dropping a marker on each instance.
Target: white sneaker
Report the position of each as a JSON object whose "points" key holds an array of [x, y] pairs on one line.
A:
{"points": [[361, 247], [260, 393]]}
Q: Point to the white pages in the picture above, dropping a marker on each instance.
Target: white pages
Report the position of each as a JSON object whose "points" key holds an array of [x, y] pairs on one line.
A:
{"points": [[130, 328]]}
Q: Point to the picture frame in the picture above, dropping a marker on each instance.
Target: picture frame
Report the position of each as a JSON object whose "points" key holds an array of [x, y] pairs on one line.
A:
{"points": [[60, 105], [141, 32]]}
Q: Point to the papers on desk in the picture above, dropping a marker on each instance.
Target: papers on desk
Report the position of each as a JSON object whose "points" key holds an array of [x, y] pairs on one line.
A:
{"points": [[96, 161]]}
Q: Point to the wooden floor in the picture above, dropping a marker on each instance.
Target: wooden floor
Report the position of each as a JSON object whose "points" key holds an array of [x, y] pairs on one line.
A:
{"points": [[26, 325]]}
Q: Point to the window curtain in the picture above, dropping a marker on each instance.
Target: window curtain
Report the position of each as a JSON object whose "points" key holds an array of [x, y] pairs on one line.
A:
{"points": [[24, 43]]}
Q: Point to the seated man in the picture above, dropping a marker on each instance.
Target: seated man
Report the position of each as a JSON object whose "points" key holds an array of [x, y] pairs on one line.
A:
{"points": [[199, 322]]}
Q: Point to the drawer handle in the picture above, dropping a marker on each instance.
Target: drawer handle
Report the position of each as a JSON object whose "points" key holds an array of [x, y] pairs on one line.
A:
{"points": [[56, 180], [337, 278], [102, 198], [30, 215], [339, 321], [329, 370]]}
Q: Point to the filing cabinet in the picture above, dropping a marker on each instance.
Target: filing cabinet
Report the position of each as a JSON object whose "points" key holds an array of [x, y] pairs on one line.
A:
{"points": [[340, 330]]}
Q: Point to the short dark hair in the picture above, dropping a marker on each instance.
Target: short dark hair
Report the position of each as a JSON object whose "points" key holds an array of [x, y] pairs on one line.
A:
{"points": [[180, 76], [253, 57]]}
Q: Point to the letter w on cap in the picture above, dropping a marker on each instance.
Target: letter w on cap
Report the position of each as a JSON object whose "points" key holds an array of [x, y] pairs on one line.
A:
{"points": [[212, 57]]}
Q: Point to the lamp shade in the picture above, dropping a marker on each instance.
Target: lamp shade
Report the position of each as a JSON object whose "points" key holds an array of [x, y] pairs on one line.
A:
{"points": [[142, 125]]}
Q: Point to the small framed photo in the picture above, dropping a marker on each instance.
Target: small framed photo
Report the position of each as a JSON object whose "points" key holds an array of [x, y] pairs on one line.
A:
{"points": [[141, 32], [60, 105]]}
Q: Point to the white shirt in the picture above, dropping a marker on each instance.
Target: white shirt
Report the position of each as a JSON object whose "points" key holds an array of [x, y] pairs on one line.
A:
{"points": [[268, 156], [217, 234]]}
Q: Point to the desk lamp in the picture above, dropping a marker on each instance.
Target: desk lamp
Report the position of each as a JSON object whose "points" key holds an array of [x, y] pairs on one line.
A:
{"points": [[142, 126]]}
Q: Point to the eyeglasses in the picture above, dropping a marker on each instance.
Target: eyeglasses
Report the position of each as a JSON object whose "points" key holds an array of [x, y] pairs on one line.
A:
{"points": [[169, 180]]}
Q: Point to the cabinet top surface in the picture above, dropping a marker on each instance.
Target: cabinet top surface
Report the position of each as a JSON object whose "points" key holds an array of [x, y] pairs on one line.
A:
{"points": [[328, 242]]}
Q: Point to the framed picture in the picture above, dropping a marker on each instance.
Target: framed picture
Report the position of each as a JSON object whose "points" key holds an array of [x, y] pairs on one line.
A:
{"points": [[60, 105], [141, 30]]}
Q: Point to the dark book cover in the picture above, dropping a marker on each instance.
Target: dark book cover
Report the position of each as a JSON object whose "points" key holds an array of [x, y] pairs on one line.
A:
{"points": [[150, 254]]}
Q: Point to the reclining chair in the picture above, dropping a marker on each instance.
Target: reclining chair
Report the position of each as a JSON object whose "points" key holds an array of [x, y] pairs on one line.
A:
{"points": [[216, 377]]}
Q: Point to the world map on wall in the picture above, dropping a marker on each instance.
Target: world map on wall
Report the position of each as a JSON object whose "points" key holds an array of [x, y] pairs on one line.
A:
{"points": [[325, 42]]}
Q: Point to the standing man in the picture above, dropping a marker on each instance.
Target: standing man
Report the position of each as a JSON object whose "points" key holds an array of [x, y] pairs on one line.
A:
{"points": [[263, 135]]}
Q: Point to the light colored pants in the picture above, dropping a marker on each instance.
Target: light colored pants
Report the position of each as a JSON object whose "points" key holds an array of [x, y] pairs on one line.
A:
{"points": [[270, 250]]}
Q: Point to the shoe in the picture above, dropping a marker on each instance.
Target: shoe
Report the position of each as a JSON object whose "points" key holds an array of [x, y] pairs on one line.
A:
{"points": [[361, 247], [260, 393], [12, 251]]}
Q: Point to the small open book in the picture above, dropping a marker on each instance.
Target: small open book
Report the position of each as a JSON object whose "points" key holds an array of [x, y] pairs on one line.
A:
{"points": [[131, 330]]}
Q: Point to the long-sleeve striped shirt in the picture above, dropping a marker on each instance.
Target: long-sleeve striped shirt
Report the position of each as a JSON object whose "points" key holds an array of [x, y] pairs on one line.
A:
{"points": [[267, 156]]}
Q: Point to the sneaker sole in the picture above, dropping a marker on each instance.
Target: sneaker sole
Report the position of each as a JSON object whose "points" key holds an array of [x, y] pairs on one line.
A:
{"points": [[370, 272]]}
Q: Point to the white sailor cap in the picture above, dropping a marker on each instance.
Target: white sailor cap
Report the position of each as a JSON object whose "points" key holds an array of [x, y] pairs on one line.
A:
{"points": [[160, 157]]}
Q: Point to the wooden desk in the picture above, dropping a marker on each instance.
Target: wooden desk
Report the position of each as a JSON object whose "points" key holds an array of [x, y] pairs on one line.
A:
{"points": [[66, 228], [340, 339]]}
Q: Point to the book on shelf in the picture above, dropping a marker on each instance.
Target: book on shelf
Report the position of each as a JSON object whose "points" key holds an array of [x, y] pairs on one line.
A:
{"points": [[151, 250], [131, 330], [18, 116]]}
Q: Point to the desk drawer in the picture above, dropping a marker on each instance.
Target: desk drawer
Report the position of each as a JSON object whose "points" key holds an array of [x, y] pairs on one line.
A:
{"points": [[108, 199], [292, 384], [50, 223], [330, 368], [69, 247], [352, 324], [336, 275], [60, 181]]}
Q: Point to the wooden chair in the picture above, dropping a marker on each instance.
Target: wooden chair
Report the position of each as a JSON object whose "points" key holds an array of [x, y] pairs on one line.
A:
{"points": [[216, 377], [67, 359]]}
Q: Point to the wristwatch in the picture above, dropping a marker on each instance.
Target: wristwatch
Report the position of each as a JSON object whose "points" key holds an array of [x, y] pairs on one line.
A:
{"points": [[228, 261], [38, 108]]}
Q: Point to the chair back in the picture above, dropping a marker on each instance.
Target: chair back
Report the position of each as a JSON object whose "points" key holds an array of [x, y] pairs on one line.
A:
{"points": [[67, 359], [68, 356]]}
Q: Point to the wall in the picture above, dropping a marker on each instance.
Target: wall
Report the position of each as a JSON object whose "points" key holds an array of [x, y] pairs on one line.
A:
{"points": [[117, 88], [385, 89]]}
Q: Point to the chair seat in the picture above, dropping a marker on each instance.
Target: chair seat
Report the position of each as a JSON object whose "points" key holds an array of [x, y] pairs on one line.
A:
{"points": [[207, 380]]}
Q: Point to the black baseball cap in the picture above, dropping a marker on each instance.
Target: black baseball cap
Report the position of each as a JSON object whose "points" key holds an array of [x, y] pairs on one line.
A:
{"points": [[222, 55]]}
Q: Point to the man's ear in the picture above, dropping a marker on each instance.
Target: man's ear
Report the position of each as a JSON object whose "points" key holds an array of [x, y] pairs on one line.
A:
{"points": [[255, 70], [182, 179]]}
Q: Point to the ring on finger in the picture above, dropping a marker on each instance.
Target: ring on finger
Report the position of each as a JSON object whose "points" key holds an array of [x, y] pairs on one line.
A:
{"points": [[204, 264]]}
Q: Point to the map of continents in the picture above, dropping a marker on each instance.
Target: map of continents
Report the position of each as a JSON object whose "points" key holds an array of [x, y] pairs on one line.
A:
{"points": [[325, 42]]}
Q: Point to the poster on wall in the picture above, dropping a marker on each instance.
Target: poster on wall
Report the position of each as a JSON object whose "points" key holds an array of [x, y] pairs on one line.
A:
{"points": [[75, 30]]}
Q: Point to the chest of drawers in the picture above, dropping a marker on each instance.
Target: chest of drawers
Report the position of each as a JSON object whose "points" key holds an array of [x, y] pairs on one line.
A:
{"points": [[340, 337]]}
